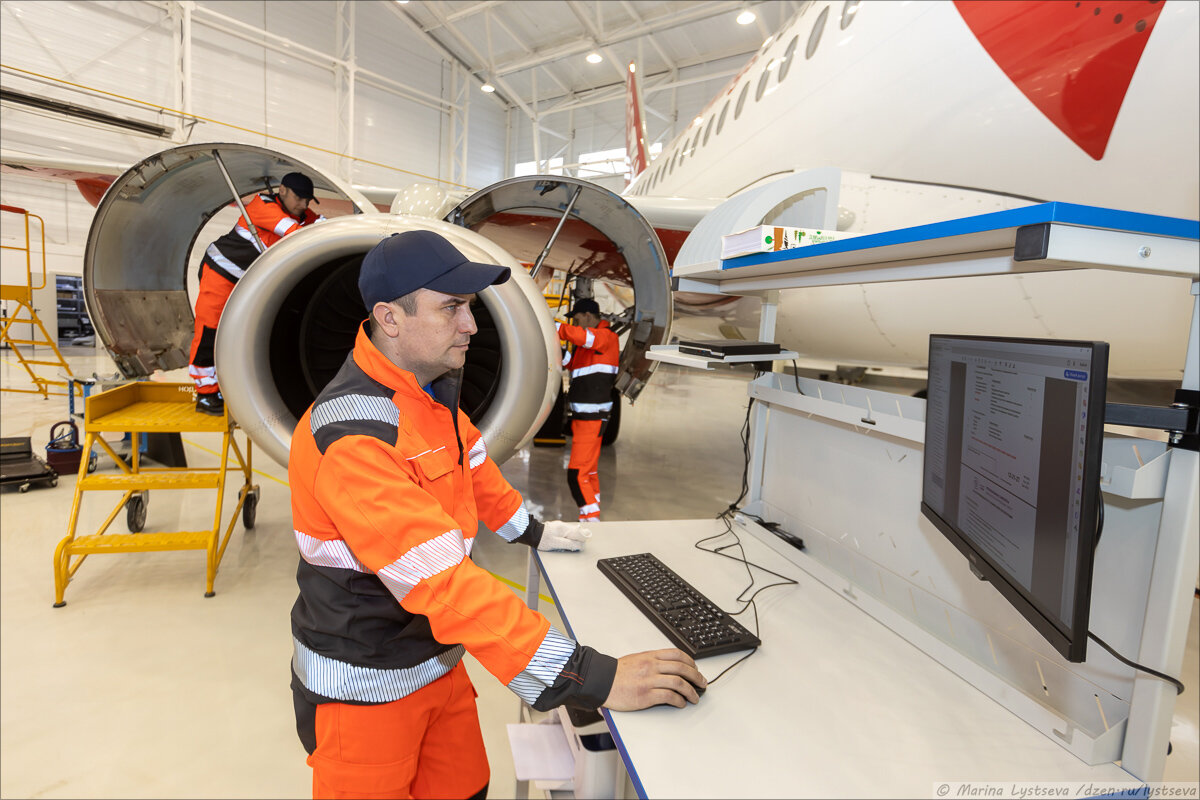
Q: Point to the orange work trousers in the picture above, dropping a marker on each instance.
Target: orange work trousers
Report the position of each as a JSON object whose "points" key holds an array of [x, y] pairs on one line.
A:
{"points": [[582, 476], [211, 298], [427, 744]]}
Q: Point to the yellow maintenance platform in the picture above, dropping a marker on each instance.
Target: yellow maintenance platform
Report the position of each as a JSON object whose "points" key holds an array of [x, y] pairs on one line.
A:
{"points": [[140, 408]]}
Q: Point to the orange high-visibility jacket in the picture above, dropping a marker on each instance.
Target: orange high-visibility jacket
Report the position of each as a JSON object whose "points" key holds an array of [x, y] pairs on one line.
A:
{"points": [[593, 368], [232, 254], [388, 487]]}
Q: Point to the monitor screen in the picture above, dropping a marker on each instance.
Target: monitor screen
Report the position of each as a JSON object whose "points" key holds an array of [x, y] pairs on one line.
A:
{"points": [[1013, 437]]}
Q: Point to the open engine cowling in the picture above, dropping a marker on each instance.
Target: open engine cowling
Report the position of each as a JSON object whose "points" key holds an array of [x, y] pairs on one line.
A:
{"points": [[291, 320]]}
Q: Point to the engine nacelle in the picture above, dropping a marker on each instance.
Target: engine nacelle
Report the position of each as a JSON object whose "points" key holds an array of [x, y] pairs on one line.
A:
{"points": [[292, 319]]}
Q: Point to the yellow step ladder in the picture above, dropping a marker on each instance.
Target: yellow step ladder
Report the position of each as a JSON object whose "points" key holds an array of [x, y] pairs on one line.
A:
{"points": [[151, 407], [25, 314]]}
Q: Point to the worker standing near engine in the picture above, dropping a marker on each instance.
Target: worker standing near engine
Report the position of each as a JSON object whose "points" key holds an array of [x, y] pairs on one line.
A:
{"points": [[226, 261], [390, 481], [593, 370]]}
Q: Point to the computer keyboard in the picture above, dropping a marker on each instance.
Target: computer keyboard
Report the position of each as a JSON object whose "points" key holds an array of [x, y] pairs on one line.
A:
{"points": [[688, 618]]}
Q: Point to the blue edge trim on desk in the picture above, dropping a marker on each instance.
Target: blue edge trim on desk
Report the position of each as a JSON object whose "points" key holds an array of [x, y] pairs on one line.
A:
{"points": [[1062, 213], [633, 776]]}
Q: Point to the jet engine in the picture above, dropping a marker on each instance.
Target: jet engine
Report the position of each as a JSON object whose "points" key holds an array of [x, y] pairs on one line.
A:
{"points": [[292, 319]]}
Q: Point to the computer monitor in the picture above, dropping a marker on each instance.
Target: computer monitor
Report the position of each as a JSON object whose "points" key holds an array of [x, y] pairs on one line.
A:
{"points": [[1013, 437]]}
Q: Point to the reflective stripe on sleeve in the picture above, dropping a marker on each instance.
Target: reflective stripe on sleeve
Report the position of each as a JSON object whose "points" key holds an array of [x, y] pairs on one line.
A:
{"points": [[515, 526], [336, 553], [354, 407], [224, 263], [590, 508], [478, 453], [338, 680], [284, 225], [593, 369], [423, 561], [590, 338], [327, 553], [544, 668]]}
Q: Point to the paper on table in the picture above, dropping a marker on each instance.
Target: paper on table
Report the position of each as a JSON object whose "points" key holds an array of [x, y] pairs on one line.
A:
{"points": [[541, 752]]}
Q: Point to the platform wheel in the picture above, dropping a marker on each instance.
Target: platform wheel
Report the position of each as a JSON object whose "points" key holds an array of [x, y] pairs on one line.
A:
{"points": [[135, 511], [23, 488], [250, 508]]}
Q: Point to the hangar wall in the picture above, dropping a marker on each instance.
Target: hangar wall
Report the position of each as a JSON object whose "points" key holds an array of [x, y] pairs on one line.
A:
{"points": [[287, 89]]}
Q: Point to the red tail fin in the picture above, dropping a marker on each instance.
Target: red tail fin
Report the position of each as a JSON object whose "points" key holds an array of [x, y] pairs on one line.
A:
{"points": [[635, 127]]}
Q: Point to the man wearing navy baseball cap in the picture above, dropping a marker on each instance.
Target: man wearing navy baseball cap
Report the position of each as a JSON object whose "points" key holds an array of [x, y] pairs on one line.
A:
{"points": [[390, 481]]}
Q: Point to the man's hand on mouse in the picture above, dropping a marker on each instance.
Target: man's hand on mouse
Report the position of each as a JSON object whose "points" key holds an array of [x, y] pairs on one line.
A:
{"points": [[655, 677]]}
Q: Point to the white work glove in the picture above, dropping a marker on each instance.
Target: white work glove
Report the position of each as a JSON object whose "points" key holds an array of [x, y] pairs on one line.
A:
{"points": [[559, 535]]}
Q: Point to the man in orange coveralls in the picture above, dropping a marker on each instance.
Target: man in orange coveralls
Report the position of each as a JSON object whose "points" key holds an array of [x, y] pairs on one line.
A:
{"points": [[226, 261], [390, 481], [593, 368]]}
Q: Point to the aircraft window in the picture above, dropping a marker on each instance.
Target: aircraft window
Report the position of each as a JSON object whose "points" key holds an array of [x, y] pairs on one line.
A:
{"points": [[814, 38], [762, 84], [708, 127], [721, 121], [848, 11], [737, 110], [787, 58]]}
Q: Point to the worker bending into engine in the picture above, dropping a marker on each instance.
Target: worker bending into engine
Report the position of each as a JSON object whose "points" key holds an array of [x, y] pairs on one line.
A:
{"points": [[593, 369], [226, 260]]}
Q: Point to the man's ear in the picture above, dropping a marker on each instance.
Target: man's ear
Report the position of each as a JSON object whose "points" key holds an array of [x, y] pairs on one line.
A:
{"points": [[386, 319]]}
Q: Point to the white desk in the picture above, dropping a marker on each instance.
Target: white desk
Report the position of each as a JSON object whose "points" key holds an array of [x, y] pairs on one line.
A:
{"points": [[834, 704]]}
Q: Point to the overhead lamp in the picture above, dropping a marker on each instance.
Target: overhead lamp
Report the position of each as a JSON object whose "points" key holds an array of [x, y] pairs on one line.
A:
{"points": [[697, 121], [746, 17], [487, 87], [594, 58]]}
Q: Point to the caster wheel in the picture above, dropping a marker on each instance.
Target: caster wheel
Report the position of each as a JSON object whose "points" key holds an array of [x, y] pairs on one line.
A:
{"points": [[92, 461], [135, 512], [53, 482], [24, 488], [250, 508]]}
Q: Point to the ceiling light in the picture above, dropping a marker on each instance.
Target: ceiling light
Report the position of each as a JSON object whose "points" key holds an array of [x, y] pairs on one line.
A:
{"points": [[487, 87], [594, 58], [746, 17], [632, 67], [697, 121]]}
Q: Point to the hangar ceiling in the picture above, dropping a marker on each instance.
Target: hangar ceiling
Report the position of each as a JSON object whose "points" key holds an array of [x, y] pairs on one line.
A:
{"points": [[535, 53]]}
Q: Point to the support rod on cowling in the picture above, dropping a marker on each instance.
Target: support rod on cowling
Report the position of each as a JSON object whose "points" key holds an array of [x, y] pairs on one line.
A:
{"points": [[262, 248], [537, 265]]}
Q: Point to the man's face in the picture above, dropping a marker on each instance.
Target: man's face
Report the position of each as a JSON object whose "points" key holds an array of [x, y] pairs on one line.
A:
{"points": [[434, 340], [293, 203], [587, 319]]}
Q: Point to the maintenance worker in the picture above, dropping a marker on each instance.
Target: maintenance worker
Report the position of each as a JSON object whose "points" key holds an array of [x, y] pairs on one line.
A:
{"points": [[226, 261], [593, 368], [390, 481]]}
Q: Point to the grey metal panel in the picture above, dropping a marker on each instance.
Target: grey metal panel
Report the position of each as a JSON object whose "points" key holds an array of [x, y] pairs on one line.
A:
{"points": [[143, 231], [615, 218]]}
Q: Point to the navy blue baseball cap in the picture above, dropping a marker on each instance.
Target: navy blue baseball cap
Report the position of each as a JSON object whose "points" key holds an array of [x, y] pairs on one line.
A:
{"points": [[405, 262], [299, 183]]}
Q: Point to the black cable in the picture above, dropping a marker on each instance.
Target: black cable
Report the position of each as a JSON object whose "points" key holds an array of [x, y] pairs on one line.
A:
{"points": [[796, 376], [1174, 682]]}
